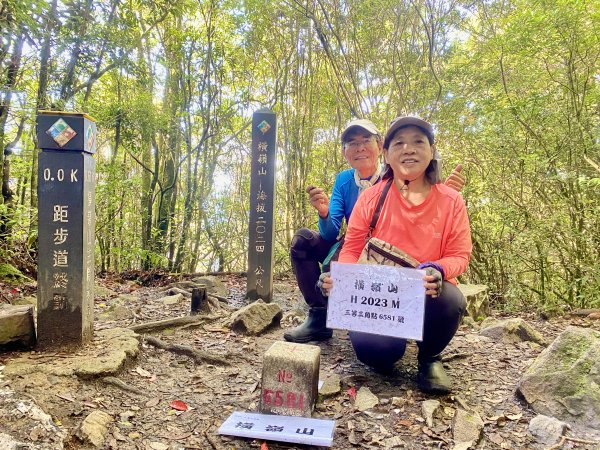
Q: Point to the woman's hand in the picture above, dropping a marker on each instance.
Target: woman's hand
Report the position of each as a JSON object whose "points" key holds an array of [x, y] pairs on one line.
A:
{"points": [[456, 180], [319, 200], [432, 281], [325, 283]]}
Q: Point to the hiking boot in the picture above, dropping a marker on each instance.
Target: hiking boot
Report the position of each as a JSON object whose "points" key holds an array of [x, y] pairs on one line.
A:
{"points": [[432, 377], [313, 328]]}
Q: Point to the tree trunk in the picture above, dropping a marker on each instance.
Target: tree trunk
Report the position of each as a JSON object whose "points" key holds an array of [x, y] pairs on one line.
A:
{"points": [[42, 98], [11, 81], [67, 84]]}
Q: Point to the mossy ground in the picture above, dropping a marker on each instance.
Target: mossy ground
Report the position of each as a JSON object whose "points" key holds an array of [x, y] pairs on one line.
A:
{"points": [[12, 274]]}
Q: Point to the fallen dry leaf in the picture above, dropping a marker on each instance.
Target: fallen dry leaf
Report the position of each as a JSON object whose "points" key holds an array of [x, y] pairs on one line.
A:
{"points": [[495, 438], [179, 405], [351, 392], [142, 372], [66, 397]]}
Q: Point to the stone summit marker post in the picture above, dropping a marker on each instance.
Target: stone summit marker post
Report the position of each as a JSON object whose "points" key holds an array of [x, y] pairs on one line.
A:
{"points": [[66, 221], [262, 202]]}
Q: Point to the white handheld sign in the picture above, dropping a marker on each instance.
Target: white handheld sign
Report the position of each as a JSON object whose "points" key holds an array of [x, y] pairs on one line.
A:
{"points": [[377, 299]]}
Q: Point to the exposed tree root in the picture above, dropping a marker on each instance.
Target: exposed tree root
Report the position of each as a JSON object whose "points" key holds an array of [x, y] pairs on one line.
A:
{"points": [[197, 355], [150, 327], [122, 385], [213, 441], [563, 439], [584, 312]]}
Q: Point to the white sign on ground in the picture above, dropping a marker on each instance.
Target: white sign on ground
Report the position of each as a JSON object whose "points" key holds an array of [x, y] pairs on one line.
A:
{"points": [[384, 300], [298, 430]]}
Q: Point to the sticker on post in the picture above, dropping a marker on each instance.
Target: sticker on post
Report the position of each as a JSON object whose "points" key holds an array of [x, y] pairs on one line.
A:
{"points": [[297, 430], [377, 299], [61, 132], [264, 127], [90, 137]]}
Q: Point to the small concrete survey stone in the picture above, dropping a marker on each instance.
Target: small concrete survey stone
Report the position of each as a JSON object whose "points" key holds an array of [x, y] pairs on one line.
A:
{"points": [[290, 379], [547, 430], [16, 325]]}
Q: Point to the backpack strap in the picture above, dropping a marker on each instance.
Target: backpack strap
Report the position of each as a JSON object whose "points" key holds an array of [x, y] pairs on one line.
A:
{"points": [[377, 211]]}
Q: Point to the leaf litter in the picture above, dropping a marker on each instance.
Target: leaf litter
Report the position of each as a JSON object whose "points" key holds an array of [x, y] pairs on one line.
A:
{"points": [[201, 396]]}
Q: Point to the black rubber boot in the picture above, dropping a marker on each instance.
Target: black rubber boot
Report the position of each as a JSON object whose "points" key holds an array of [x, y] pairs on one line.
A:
{"points": [[432, 377], [313, 328]]}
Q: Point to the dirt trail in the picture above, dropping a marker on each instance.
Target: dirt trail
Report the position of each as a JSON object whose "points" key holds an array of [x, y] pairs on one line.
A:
{"points": [[485, 374]]}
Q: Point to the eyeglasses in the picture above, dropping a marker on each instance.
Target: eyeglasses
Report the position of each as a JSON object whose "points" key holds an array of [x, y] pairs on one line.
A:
{"points": [[355, 145]]}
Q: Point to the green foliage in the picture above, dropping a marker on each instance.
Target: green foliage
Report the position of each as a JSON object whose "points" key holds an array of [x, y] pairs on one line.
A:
{"points": [[11, 274], [532, 205], [512, 87]]}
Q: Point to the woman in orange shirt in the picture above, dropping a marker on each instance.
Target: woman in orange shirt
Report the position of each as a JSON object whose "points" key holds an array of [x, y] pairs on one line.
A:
{"points": [[427, 220]]}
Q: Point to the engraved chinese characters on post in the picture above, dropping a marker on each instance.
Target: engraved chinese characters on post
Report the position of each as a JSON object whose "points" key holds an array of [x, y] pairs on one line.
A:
{"points": [[384, 300]]}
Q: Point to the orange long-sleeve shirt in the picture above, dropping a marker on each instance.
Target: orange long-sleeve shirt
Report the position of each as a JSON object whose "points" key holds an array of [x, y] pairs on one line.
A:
{"points": [[437, 230]]}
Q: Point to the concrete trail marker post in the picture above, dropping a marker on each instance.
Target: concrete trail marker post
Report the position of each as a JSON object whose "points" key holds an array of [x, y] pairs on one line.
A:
{"points": [[66, 222], [288, 395], [290, 379], [262, 203]]}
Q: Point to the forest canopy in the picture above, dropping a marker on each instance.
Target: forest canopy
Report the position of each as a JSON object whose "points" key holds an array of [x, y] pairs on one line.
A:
{"points": [[512, 86]]}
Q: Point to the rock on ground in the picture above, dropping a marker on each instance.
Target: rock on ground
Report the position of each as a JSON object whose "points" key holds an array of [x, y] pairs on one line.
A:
{"points": [[429, 407], [16, 325], [564, 380], [283, 288], [116, 312], [94, 428], [469, 323], [255, 318], [394, 442], [171, 299], [105, 355], [547, 430], [8, 442], [511, 331], [466, 426], [213, 285], [34, 422], [331, 385], [29, 300], [103, 292], [365, 399], [478, 306]]}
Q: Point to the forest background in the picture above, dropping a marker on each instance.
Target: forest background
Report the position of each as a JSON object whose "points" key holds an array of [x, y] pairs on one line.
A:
{"points": [[513, 87]]}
